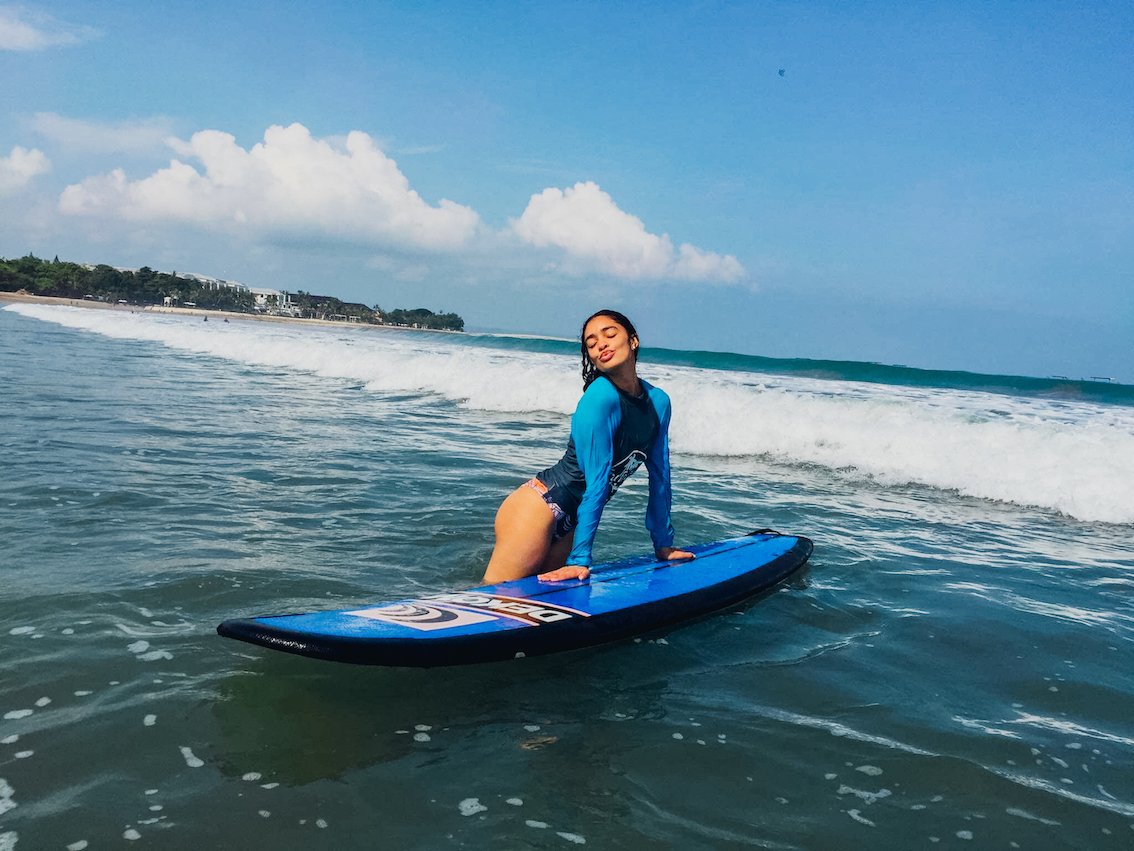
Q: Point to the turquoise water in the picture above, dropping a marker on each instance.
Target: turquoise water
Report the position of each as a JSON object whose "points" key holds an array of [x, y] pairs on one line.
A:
{"points": [[953, 670]]}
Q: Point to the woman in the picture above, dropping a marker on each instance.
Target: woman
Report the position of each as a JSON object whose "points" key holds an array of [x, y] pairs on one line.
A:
{"points": [[547, 525]]}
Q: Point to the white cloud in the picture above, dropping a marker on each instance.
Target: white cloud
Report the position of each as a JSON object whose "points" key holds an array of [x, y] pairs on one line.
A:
{"points": [[300, 190], [291, 185], [102, 137], [19, 167], [693, 264], [23, 29], [595, 235]]}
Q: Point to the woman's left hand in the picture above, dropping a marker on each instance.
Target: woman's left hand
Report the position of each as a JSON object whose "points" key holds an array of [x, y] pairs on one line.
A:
{"points": [[672, 554]]}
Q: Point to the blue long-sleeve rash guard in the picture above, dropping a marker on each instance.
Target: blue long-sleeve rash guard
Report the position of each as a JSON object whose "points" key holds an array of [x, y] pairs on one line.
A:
{"points": [[612, 433]]}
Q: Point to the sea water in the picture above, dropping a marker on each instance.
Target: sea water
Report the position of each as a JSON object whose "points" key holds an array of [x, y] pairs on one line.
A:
{"points": [[953, 669]]}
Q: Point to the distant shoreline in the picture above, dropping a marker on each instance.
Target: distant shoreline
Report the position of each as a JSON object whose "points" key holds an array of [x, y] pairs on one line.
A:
{"points": [[27, 298], [836, 370]]}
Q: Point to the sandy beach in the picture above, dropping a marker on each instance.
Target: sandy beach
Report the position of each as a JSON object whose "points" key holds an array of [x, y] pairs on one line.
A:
{"points": [[27, 298]]}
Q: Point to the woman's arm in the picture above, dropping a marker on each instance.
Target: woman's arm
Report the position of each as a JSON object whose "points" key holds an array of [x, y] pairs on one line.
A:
{"points": [[659, 519], [592, 429], [659, 507]]}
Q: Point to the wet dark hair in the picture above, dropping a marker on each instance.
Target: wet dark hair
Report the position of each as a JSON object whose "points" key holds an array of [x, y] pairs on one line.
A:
{"points": [[590, 371]]}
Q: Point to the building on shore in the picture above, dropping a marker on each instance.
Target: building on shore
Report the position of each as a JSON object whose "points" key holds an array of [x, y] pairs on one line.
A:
{"points": [[216, 283], [273, 302]]}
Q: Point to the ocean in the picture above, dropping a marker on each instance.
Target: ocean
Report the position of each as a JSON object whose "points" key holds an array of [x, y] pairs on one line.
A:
{"points": [[953, 669]]}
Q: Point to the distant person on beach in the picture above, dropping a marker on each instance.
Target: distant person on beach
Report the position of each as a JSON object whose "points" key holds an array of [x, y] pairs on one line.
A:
{"points": [[547, 525]]}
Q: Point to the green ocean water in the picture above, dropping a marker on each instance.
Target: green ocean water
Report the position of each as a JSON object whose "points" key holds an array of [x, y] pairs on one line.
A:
{"points": [[952, 671]]}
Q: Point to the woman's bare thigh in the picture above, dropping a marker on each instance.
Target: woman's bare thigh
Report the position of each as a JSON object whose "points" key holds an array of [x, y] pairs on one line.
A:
{"points": [[523, 536]]}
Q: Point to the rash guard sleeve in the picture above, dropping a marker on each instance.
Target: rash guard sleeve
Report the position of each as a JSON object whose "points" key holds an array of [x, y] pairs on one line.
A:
{"points": [[593, 427], [658, 510]]}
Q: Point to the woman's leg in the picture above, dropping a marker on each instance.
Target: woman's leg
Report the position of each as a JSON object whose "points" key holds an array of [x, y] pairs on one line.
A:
{"points": [[553, 568], [523, 536], [557, 553]]}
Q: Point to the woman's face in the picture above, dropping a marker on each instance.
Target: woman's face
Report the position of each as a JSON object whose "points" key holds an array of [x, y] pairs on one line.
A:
{"points": [[608, 345]]}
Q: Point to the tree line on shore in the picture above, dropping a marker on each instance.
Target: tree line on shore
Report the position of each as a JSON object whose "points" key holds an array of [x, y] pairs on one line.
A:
{"points": [[143, 287]]}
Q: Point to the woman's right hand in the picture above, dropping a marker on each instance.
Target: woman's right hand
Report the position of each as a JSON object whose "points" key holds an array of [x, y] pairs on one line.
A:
{"points": [[570, 571]]}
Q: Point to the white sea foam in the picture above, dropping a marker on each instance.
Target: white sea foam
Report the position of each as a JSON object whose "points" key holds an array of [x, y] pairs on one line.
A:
{"points": [[191, 759], [1024, 814], [868, 797], [471, 806], [1075, 458], [861, 819]]}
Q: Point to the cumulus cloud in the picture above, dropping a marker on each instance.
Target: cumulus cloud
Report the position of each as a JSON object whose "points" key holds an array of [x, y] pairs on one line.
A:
{"points": [[136, 136], [19, 167], [295, 188], [24, 29], [595, 235], [288, 185]]}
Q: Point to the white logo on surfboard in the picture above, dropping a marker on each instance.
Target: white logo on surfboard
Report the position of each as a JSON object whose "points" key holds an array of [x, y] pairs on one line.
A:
{"points": [[464, 608], [421, 616]]}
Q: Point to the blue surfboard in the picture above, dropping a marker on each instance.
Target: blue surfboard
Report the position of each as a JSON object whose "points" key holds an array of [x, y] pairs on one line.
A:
{"points": [[527, 617]]}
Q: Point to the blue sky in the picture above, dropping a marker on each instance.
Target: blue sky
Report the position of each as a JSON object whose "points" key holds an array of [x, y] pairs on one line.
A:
{"points": [[944, 185]]}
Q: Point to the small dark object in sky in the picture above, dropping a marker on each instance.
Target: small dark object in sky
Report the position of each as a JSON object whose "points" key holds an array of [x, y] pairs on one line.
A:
{"points": [[781, 72]]}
